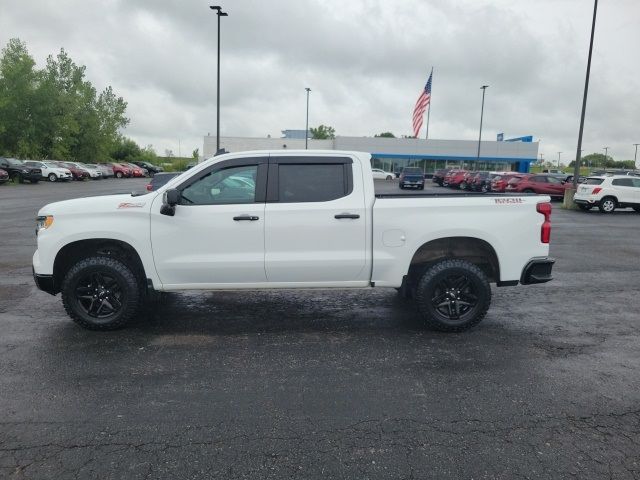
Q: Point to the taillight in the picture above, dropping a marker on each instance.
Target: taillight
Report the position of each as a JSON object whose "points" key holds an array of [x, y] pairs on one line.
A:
{"points": [[545, 230], [596, 190]]}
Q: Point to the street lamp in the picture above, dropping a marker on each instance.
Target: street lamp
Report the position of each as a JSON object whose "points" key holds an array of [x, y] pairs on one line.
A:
{"points": [[606, 149], [559, 160], [635, 157], [306, 131], [483, 88], [220, 13], [541, 159], [576, 170]]}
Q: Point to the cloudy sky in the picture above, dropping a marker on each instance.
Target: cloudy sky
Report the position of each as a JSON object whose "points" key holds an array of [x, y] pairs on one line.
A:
{"points": [[365, 61]]}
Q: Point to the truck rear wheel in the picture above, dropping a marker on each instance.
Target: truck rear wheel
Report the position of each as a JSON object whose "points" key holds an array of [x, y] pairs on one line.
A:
{"points": [[101, 293], [453, 295]]}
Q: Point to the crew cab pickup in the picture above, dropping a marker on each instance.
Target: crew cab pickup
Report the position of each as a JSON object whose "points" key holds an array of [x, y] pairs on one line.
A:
{"points": [[289, 220]]}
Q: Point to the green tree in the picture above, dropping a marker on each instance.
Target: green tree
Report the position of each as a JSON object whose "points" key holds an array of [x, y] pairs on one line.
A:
{"points": [[323, 132], [385, 135], [196, 153]]}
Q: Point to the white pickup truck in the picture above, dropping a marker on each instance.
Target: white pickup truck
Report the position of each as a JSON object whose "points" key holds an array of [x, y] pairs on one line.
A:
{"points": [[289, 220]]}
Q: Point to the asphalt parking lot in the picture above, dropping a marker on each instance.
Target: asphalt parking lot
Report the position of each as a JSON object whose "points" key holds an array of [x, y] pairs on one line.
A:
{"points": [[323, 384]]}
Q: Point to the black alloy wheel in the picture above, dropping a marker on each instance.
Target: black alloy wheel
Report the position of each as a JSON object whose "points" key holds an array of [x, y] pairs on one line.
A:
{"points": [[99, 295], [453, 295]]}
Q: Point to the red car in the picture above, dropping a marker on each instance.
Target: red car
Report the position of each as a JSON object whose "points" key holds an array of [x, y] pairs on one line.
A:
{"points": [[4, 176], [120, 171], [454, 178], [499, 182], [76, 173], [136, 171], [540, 184]]}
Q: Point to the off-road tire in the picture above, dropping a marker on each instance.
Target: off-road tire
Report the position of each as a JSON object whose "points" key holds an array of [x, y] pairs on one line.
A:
{"points": [[430, 284], [132, 293]]}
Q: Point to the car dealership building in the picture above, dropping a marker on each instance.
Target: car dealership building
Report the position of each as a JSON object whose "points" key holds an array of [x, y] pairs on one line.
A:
{"points": [[392, 154]]}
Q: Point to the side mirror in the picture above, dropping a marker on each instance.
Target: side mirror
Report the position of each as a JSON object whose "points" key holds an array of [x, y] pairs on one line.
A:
{"points": [[170, 200]]}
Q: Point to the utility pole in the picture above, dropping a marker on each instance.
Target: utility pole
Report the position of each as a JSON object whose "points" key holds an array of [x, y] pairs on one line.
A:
{"points": [[559, 160], [306, 131], [483, 88], [635, 157], [220, 13], [576, 170], [541, 159], [604, 164]]}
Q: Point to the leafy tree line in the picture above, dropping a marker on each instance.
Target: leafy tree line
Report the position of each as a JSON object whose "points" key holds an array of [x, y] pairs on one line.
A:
{"points": [[56, 113], [599, 160]]}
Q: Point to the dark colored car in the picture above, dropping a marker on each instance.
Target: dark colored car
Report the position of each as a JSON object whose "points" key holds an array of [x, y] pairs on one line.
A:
{"points": [[19, 172], [499, 182], [4, 176], [542, 184], [160, 179], [454, 178], [76, 173], [412, 177], [438, 175], [152, 169], [467, 179], [481, 182]]}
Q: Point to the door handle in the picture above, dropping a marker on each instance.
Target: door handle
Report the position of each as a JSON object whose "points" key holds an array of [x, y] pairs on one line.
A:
{"points": [[347, 215], [250, 218]]}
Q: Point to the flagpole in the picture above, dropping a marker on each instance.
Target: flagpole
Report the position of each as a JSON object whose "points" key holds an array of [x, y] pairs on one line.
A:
{"points": [[429, 111]]}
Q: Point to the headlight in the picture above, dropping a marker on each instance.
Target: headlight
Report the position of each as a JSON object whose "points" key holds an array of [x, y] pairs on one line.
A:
{"points": [[43, 222], [25, 170]]}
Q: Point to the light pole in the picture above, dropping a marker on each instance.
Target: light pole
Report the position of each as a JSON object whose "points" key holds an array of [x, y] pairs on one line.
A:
{"points": [[306, 131], [635, 157], [576, 170], [604, 163], [559, 160], [220, 13], [483, 88], [541, 159]]}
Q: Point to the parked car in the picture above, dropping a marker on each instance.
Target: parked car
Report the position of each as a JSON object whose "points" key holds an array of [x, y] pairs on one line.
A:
{"points": [[412, 177], [379, 174], [160, 179], [120, 170], [76, 173], [332, 232], [541, 184], [19, 172], [136, 171], [481, 182], [50, 170], [152, 169], [94, 172], [438, 175], [454, 178], [499, 182], [608, 193], [467, 178], [4, 176], [106, 169]]}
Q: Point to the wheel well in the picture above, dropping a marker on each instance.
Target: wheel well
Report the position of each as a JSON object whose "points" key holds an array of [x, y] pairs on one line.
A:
{"points": [[473, 250], [74, 251]]}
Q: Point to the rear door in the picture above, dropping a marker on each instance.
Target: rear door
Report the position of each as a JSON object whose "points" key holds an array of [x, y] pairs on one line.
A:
{"points": [[625, 190], [315, 229]]}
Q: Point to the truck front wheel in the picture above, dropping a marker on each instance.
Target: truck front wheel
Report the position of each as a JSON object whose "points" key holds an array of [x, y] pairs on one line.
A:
{"points": [[453, 295], [100, 293]]}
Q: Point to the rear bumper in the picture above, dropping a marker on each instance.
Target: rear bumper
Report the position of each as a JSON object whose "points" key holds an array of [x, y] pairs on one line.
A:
{"points": [[580, 201], [538, 270]]}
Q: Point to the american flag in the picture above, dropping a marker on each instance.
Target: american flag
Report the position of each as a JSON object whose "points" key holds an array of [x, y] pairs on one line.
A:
{"points": [[421, 106]]}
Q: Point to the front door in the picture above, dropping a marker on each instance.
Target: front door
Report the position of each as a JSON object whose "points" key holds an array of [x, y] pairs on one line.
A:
{"points": [[216, 237], [315, 221]]}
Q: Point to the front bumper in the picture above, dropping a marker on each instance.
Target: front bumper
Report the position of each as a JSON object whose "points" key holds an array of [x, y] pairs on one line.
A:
{"points": [[538, 270], [44, 282]]}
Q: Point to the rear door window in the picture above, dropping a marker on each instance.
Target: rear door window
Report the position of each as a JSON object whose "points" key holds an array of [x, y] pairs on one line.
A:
{"points": [[622, 182], [311, 182]]}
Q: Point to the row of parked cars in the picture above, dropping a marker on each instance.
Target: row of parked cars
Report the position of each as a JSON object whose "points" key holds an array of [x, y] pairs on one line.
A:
{"points": [[33, 171]]}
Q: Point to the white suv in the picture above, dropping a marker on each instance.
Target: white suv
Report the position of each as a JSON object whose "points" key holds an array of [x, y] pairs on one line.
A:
{"points": [[50, 170], [609, 193]]}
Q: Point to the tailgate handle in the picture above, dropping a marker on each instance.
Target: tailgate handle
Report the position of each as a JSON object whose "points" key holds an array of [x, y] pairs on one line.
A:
{"points": [[347, 215], [250, 218]]}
